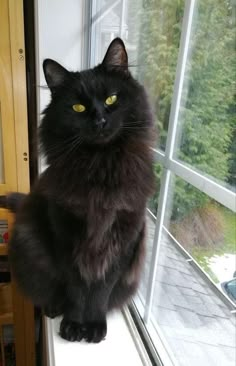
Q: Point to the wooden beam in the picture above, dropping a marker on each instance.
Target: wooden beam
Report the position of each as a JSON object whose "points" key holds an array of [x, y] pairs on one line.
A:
{"points": [[16, 18], [7, 102], [24, 318], [3, 249]]}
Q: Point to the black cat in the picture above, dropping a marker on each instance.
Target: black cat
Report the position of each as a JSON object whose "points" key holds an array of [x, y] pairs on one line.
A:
{"points": [[78, 242]]}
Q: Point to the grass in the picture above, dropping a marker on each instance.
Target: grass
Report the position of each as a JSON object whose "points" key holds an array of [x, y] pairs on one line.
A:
{"points": [[229, 231], [228, 245]]}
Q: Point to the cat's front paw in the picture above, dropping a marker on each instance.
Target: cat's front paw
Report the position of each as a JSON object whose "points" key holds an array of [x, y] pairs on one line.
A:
{"points": [[71, 331], [95, 331]]}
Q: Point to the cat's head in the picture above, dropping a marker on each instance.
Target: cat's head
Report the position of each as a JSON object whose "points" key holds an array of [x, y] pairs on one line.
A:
{"points": [[95, 106]]}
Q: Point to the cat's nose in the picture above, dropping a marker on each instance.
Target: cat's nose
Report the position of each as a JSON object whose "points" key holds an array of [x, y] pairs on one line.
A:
{"points": [[101, 122]]}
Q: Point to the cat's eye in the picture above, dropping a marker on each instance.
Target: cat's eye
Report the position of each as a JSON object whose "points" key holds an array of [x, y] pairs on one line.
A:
{"points": [[79, 108], [111, 99]]}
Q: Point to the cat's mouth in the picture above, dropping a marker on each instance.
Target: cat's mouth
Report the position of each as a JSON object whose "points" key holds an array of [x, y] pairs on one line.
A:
{"points": [[105, 135]]}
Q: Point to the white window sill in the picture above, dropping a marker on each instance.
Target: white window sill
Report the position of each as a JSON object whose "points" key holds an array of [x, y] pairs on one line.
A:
{"points": [[119, 347]]}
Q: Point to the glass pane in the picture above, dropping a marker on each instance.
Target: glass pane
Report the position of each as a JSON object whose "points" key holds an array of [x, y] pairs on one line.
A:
{"points": [[188, 311], [106, 26], [157, 51], [150, 230], [204, 228], [207, 120], [153, 201], [151, 31], [194, 324], [142, 291]]}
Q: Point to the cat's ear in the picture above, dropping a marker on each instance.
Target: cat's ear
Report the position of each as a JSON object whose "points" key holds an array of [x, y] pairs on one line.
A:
{"points": [[54, 73], [116, 56]]}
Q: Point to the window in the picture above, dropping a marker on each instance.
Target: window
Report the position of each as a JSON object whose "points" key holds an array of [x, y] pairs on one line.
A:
{"points": [[152, 46], [184, 53]]}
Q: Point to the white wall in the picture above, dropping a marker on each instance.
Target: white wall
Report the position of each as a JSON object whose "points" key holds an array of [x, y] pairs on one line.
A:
{"points": [[59, 28]]}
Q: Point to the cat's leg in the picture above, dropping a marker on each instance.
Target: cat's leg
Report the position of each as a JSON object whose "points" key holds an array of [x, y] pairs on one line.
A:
{"points": [[96, 310], [71, 327], [128, 282], [85, 316]]}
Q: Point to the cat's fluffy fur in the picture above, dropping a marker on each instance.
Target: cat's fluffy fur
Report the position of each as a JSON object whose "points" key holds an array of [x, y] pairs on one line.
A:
{"points": [[78, 242]]}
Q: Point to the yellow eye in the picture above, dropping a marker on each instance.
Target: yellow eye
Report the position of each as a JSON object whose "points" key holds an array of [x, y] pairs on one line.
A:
{"points": [[111, 100], [79, 108]]}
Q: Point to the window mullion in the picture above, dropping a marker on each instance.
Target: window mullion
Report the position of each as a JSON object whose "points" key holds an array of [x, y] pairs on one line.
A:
{"points": [[179, 77], [165, 181], [173, 120]]}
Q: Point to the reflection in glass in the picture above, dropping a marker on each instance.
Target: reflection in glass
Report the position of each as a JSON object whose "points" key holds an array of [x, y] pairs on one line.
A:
{"points": [[158, 46], [207, 119], [151, 31], [153, 201], [193, 321], [206, 229], [150, 230], [188, 313]]}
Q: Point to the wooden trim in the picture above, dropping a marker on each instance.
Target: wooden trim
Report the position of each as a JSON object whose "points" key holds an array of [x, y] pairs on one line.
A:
{"points": [[3, 189], [19, 326], [23, 308], [6, 99], [2, 346], [19, 317], [24, 328], [18, 313], [6, 318], [16, 18], [29, 325], [3, 249], [3, 214]]}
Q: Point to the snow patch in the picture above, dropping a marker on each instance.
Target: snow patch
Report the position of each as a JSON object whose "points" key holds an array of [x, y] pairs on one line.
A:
{"points": [[223, 266]]}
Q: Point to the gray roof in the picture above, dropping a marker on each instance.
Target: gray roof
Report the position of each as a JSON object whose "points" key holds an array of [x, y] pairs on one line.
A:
{"points": [[197, 324]]}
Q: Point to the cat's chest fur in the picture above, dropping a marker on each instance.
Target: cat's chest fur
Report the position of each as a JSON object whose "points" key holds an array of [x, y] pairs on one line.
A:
{"points": [[108, 193], [109, 179]]}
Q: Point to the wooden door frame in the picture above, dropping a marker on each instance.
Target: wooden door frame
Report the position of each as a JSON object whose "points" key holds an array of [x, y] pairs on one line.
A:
{"points": [[16, 21], [24, 327]]}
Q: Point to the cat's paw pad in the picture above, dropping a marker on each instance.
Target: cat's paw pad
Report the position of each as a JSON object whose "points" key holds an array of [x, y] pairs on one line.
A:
{"points": [[71, 331], [95, 331]]}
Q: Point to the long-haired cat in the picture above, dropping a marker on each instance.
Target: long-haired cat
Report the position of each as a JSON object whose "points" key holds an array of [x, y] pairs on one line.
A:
{"points": [[78, 242]]}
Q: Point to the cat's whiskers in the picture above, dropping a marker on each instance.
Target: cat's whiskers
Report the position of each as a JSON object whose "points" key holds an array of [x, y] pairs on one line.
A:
{"points": [[59, 146], [69, 152], [75, 145], [74, 148], [61, 153]]}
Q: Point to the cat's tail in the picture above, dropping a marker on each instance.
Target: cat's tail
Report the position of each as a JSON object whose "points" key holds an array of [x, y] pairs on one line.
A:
{"points": [[12, 201]]}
